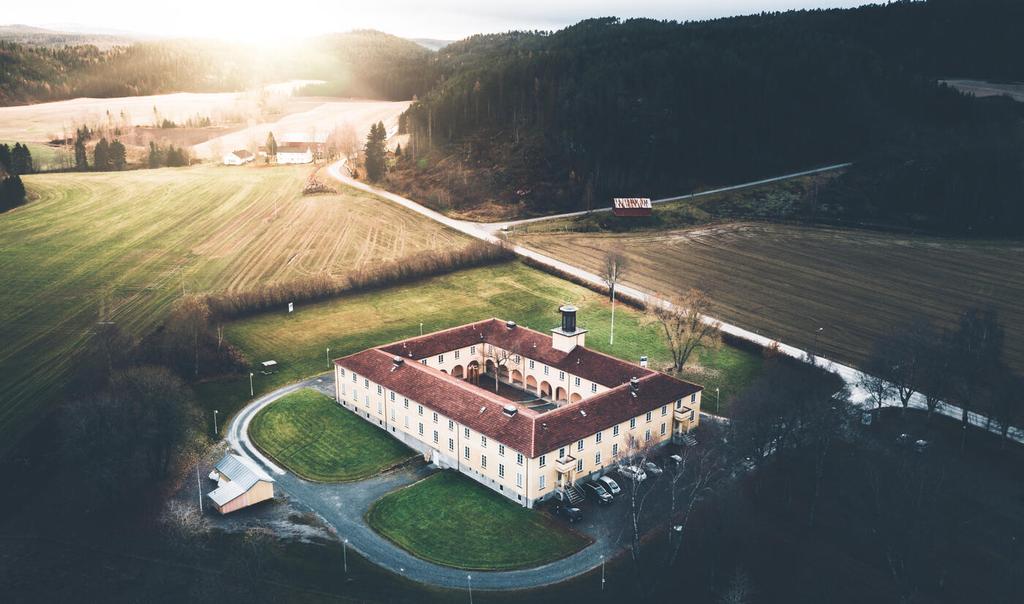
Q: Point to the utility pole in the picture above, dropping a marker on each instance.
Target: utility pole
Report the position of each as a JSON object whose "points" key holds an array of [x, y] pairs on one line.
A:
{"points": [[199, 487], [215, 431], [251, 394]]}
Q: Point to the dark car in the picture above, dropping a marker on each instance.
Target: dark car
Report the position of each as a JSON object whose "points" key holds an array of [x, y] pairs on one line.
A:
{"points": [[598, 492], [569, 513]]}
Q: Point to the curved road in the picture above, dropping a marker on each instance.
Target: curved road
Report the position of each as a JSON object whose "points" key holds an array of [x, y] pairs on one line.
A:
{"points": [[344, 505]]}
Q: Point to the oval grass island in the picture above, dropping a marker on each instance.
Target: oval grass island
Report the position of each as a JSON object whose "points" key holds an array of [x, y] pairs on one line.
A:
{"points": [[451, 520], [313, 437]]}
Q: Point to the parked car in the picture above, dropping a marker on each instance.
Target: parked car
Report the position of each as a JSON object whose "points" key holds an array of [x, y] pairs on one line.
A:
{"points": [[676, 459], [568, 512], [633, 473], [610, 485], [597, 492], [652, 468]]}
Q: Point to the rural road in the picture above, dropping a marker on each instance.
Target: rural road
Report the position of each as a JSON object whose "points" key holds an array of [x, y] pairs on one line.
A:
{"points": [[487, 232], [343, 506]]}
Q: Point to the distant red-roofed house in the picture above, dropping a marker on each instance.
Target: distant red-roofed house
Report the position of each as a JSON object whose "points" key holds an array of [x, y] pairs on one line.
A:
{"points": [[563, 413], [631, 206]]}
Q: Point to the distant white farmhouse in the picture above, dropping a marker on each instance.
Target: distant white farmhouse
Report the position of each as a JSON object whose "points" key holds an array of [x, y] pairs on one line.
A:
{"points": [[238, 157], [294, 153]]}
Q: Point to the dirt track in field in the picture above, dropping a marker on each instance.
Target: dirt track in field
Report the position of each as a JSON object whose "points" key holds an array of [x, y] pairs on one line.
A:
{"points": [[786, 281]]}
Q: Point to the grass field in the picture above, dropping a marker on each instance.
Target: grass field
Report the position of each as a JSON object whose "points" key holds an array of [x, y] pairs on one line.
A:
{"points": [[451, 520], [311, 435], [786, 281], [510, 291], [123, 247]]}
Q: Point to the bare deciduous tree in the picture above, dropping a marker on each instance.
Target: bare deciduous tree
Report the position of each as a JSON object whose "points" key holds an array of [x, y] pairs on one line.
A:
{"points": [[614, 265], [500, 357], [187, 325], [686, 325]]}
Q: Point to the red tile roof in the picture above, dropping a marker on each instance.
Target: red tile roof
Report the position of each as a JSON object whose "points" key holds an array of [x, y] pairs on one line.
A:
{"points": [[528, 431]]}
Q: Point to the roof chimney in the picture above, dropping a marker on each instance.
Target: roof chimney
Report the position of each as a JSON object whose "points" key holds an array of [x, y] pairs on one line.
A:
{"points": [[397, 362], [634, 386], [509, 410], [568, 318], [511, 324]]}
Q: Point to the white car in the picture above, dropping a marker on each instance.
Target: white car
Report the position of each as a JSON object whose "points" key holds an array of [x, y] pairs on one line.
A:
{"points": [[633, 473], [611, 485]]}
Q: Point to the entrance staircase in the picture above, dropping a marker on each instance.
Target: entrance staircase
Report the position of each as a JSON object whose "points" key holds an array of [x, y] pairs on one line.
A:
{"points": [[573, 494]]}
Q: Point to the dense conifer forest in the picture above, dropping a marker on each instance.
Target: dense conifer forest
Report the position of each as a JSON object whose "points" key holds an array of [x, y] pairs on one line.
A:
{"points": [[641, 107]]}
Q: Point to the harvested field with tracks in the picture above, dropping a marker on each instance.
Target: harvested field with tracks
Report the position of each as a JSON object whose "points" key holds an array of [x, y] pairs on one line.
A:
{"points": [[96, 247], [786, 281]]}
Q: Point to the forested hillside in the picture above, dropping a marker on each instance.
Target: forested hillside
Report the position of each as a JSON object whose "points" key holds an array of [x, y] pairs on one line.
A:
{"points": [[604, 108], [360, 64]]}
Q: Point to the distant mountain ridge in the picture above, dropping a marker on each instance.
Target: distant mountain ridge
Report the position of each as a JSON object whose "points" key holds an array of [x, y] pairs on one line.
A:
{"points": [[39, 36]]}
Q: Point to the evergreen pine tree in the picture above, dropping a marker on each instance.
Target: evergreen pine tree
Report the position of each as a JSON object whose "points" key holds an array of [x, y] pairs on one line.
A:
{"points": [[376, 164], [271, 145], [101, 155], [81, 160], [5, 157], [12, 192], [398, 150], [154, 155], [118, 155], [21, 159]]}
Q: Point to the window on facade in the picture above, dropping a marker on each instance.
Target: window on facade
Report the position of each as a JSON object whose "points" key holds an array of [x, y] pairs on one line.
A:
{"points": [[561, 453], [664, 410], [435, 436], [355, 378], [405, 403], [419, 409], [483, 441], [647, 435], [465, 452], [440, 358], [561, 376], [519, 479], [451, 425], [543, 460], [545, 370], [663, 428], [615, 449], [392, 414], [597, 458], [472, 350], [392, 395], [579, 445], [531, 363], [451, 444], [579, 465], [516, 359], [465, 432], [632, 423], [483, 461], [379, 390], [597, 438], [423, 361], [541, 480], [593, 387], [435, 417], [679, 404], [615, 430], [519, 458], [693, 397], [342, 372], [380, 407], [366, 383], [501, 470], [406, 421], [421, 428], [648, 416], [501, 450], [577, 381]]}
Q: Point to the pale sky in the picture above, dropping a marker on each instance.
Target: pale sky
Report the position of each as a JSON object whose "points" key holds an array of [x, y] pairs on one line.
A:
{"points": [[444, 19]]}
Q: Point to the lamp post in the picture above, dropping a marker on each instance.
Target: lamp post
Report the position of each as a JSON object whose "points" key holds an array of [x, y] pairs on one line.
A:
{"points": [[469, 581], [717, 396], [611, 338], [251, 394], [215, 431], [328, 357], [345, 555], [421, 328], [814, 354], [602, 572]]}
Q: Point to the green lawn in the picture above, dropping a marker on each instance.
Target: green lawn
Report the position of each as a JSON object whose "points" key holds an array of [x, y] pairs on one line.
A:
{"points": [[314, 437], [513, 291], [451, 520]]}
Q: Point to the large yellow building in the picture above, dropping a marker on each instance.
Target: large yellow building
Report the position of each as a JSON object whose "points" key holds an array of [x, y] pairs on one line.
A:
{"points": [[562, 413]]}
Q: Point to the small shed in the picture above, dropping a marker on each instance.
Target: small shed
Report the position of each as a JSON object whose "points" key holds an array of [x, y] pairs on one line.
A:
{"points": [[240, 483], [238, 157], [631, 206]]}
